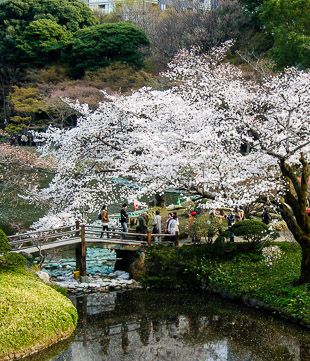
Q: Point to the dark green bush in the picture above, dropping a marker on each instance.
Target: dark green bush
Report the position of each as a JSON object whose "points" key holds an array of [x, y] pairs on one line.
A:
{"points": [[9, 259], [12, 260], [4, 243], [252, 231]]}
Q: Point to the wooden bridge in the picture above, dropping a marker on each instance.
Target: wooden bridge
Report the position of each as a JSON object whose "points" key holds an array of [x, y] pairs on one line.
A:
{"points": [[81, 236]]}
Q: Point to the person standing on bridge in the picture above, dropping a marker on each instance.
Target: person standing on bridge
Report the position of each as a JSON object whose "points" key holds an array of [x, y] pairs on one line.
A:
{"points": [[105, 221], [124, 219], [156, 226]]}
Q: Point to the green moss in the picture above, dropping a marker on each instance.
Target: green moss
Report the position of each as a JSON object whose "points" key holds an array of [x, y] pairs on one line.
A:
{"points": [[32, 314]]}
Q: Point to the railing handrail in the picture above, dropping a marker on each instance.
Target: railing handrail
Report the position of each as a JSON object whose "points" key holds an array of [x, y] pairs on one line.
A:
{"points": [[81, 230], [36, 232], [40, 237]]}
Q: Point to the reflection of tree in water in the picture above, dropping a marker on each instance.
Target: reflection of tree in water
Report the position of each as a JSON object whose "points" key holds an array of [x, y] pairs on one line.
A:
{"points": [[125, 340], [145, 330], [105, 341], [180, 326]]}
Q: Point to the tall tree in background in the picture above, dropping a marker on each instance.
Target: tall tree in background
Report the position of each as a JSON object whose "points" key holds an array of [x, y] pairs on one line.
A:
{"points": [[180, 27], [98, 45], [17, 16], [288, 21]]}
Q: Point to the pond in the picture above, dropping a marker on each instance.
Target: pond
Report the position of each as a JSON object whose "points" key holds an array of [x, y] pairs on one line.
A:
{"points": [[152, 325]]}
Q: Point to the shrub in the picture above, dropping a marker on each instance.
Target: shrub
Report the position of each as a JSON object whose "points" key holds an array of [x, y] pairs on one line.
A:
{"points": [[12, 260], [207, 226], [4, 243], [9, 259], [119, 76], [253, 231]]}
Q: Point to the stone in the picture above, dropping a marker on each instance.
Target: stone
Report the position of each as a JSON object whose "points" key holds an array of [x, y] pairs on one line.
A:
{"points": [[61, 278], [112, 275], [44, 276], [119, 272], [83, 279], [253, 302], [137, 267], [245, 299], [124, 276]]}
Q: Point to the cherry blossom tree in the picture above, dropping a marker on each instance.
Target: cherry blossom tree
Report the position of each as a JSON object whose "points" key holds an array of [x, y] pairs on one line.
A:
{"points": [[271, 126], [211, 132]]}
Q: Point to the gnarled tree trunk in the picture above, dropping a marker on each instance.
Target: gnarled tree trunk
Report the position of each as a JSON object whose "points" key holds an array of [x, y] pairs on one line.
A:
{"points": [[160, 200], [293, 210]]}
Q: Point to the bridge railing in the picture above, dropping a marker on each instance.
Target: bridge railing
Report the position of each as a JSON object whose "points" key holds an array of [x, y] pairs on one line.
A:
{"points": [[132, 236], [38, 238]]}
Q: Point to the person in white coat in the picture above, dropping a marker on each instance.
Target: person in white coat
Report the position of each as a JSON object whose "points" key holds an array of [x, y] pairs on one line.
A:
{"points": [[156, 227], [174, 224]]}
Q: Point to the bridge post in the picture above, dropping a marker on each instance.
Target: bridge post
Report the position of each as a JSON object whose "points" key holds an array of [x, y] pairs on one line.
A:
{"points": [[177, 239], [83, 255], [149, 238], [77, 227]]}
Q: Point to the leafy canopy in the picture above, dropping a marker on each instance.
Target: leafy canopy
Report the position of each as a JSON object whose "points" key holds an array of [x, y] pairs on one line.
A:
{"points": [[42, 40], [95, 47], [288, 21], [17, 16]]}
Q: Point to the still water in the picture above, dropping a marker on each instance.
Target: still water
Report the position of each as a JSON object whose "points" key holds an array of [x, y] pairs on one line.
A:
{"points": [[144, 325]]}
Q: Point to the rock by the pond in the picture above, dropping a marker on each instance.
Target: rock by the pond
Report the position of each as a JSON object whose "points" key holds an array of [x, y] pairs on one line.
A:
{"points": [[61, 278], [44, 276], [97, 284], [124, 276], [112, 275]]}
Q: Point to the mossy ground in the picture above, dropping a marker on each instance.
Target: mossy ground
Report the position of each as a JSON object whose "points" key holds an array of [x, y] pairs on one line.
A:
{"points": [[32, 314]]}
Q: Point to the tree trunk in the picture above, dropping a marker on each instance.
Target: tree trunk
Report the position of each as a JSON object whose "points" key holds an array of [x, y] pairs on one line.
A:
{"points": [[160, 200], [305, 265], [302, 237], [293, 211]]}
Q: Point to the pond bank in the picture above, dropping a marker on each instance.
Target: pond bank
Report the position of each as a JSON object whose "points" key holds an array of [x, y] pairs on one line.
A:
{"points": [[33, 315], [229, 269]]}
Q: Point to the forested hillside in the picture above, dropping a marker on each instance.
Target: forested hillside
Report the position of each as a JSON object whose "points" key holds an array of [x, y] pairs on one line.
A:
{"points": [[54, 49]]}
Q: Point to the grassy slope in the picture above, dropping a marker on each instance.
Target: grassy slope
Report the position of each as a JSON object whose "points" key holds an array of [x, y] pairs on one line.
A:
{"points": [[32, 314]]}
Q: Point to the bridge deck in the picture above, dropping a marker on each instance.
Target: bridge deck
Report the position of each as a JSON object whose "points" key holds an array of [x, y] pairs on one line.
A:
{"points": [[108, 243]]}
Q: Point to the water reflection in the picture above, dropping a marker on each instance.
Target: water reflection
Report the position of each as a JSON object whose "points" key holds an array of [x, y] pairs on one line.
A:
{"points": [[149, 326]]}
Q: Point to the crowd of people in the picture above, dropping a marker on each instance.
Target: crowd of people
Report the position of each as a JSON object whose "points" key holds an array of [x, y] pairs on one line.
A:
{"points": [[171, 225], [142, 222]]}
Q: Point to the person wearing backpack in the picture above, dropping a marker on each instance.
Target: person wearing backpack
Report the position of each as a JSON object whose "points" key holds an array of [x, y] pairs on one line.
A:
{"points": [[105, 221]]}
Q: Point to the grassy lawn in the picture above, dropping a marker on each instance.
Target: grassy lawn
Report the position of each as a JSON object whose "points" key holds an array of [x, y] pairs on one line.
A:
{"points": [[32, 314]]}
